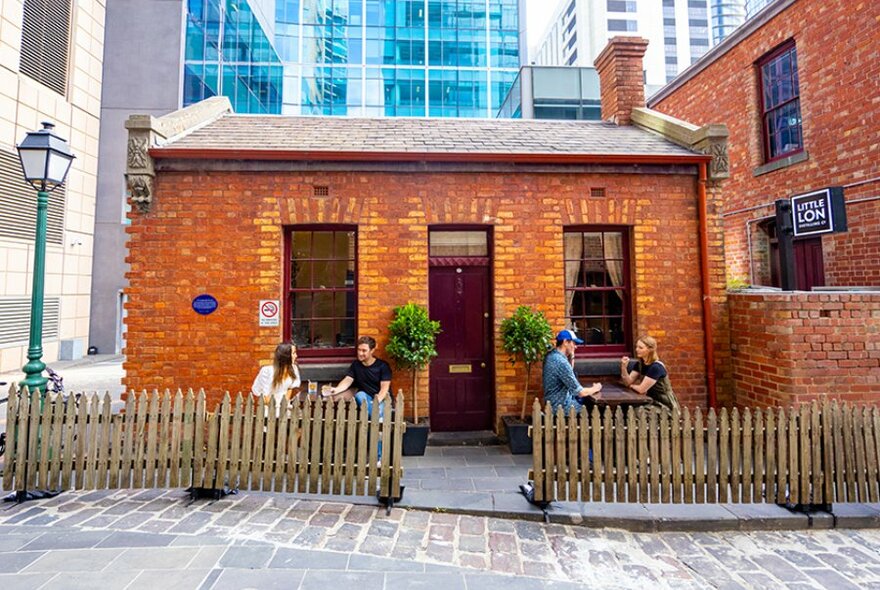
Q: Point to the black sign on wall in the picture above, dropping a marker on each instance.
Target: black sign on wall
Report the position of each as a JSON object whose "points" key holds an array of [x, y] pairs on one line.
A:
{"points": [[819, 212]]}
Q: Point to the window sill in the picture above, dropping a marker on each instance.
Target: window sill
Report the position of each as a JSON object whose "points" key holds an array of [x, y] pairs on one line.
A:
{"points": [[781, 163]]}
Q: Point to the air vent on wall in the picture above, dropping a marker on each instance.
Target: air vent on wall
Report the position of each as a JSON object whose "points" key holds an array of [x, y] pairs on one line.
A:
{"points": [[15, 316], [18, 204], [321, 191], [45, 42], [597, 193]]}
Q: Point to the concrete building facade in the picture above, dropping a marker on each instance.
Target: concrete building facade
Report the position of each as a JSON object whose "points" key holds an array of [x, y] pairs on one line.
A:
{"points": [[678, 33], [50, 70]]}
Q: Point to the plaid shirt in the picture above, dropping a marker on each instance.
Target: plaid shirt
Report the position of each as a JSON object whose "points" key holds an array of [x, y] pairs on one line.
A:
{"points": [[561, 386]]}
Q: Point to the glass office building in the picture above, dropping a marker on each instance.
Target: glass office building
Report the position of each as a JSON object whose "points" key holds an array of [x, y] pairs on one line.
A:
{"points": [[228, 52], [385, 58], [436, 58]]}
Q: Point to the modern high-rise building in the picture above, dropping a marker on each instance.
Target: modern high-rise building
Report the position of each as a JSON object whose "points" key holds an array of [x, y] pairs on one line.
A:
{"points": [[754, 6], [727, 15], [50, 70], [421, 58], [678, 32]]}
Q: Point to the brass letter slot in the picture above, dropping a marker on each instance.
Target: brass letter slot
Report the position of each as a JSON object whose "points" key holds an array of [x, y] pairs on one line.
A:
{"points": [[460, 368]]}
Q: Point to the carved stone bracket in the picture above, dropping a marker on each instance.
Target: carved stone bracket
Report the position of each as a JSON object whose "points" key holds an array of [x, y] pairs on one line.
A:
{"points": [[712, 141], [709, 139], [145, 132], [140, 190]]}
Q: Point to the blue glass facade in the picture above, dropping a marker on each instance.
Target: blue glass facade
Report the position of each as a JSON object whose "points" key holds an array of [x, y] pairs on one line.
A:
{"points": [[228, 53], [439, 58]]}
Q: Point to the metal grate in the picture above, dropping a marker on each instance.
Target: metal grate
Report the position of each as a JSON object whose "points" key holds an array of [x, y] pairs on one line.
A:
{"points": [[597, 193], [18, 204], [45, 42], [321, 191], [15, 319]]}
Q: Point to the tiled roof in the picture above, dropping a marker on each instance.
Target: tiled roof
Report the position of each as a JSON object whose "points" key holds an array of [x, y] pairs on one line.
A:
{"points": [[316, 135]]}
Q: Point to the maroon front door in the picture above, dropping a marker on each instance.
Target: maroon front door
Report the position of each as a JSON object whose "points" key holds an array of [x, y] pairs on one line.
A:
{"points": [[808, 263], [461, 388]]}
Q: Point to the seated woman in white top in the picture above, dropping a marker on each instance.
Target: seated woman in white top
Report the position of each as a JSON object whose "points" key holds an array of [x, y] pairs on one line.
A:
{"points": [[282, 375]]}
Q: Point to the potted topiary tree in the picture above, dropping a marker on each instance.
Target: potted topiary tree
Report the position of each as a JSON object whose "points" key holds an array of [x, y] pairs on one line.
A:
{"points": [[412, 345], [526, 336]]}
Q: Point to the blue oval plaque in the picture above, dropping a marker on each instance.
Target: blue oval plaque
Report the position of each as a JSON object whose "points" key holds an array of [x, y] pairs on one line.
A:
{"points": [[204, 304]]}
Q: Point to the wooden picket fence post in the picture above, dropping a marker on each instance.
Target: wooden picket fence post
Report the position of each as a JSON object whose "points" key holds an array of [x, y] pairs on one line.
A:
{"points": [[163, 440], [811, 455]]}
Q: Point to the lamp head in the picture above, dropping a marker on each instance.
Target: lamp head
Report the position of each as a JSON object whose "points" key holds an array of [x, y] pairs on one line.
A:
{"points": [[45, 158]]}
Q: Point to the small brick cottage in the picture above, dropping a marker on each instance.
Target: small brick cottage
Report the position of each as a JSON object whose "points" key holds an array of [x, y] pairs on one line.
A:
{"points": [[608, 227], [798, 86]]}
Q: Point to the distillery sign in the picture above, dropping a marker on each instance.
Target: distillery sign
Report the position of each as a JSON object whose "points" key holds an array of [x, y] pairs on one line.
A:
{"points": [[818, 212]]}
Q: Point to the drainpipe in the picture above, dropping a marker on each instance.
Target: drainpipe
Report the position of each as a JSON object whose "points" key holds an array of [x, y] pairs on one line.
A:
{"points": [[704, 280]]}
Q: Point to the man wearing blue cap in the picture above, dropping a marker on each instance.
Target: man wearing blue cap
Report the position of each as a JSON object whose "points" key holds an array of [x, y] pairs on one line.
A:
{"points": [[561, 386]]}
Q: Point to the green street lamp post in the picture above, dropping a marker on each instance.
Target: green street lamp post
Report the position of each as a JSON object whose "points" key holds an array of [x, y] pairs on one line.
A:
{"points": [[45, 160]]}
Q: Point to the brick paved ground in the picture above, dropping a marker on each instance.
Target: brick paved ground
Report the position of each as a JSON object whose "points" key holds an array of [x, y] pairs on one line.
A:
{"points": [[131, 539]]}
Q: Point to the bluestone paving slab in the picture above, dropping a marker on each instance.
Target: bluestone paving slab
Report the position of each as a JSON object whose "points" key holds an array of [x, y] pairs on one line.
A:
{"points": [[516, 506], [107, 580], [135, 539], [323, 579], [73, 560], [11, 563], [206, 558], [502, 582], [246, 557], [272, 579], [415, 581], [452, 485], [190, 579], [462, 501], [760, 517], [856, 515], [146, 558], [289, 558], [632, 517], [12, 543], [359, 562], [67, 540], [685, 517], [23, 581]]}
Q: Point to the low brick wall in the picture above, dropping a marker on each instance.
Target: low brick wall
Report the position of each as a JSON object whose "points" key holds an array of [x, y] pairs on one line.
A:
{"points": [[795, 347]]}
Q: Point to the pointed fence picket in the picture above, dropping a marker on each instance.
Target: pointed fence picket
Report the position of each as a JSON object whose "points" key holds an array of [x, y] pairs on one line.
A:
{"points": [[810, 454], [164, 440]]}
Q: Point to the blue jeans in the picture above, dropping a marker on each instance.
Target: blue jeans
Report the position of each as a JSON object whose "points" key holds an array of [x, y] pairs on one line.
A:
{"points": [[362, 396]]}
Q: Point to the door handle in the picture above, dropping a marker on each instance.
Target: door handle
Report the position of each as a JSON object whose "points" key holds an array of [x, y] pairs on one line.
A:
{"points": [[482, 365]]}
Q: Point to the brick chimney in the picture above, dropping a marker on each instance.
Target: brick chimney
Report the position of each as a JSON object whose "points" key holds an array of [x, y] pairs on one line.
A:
{"points": [[621, 79]]}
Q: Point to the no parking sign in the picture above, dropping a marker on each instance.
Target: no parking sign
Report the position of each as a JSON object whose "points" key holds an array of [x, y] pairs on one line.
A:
{"points": [[270, 313]]}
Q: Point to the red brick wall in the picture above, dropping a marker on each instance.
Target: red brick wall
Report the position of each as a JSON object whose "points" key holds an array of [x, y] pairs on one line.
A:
{"points": [[839, 79], [222, 233], [796, 347]]}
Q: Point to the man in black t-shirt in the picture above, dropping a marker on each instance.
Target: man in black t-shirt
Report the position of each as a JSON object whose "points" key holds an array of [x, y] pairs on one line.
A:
{"points": [[367, 379]]}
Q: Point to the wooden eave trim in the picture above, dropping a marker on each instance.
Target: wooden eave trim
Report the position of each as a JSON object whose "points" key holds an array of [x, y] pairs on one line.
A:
{"points": [[292, 155]]}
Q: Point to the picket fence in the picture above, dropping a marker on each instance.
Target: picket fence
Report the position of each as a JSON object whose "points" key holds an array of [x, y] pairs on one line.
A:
{"points": [[170, 441], [809, 455]]}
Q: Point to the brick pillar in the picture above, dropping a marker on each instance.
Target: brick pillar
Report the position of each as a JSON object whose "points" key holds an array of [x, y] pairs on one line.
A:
{"points": [[621, 78]]}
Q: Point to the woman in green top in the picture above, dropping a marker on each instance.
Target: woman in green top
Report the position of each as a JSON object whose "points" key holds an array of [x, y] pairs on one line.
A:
{"points": [[648, 375]]}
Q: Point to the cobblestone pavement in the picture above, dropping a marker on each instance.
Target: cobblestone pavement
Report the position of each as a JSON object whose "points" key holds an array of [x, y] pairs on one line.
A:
{"points": [[134, 539]]}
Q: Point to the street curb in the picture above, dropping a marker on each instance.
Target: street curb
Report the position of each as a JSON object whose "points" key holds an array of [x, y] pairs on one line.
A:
{"points": [[636, 518]]}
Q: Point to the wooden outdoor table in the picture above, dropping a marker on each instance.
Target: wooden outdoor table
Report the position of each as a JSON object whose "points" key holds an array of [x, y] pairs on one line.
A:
{"points": [[614, 395]]}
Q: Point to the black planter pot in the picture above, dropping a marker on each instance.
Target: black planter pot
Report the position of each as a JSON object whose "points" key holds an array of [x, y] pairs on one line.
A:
{"points": [[415, 439], [518, 438]]}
